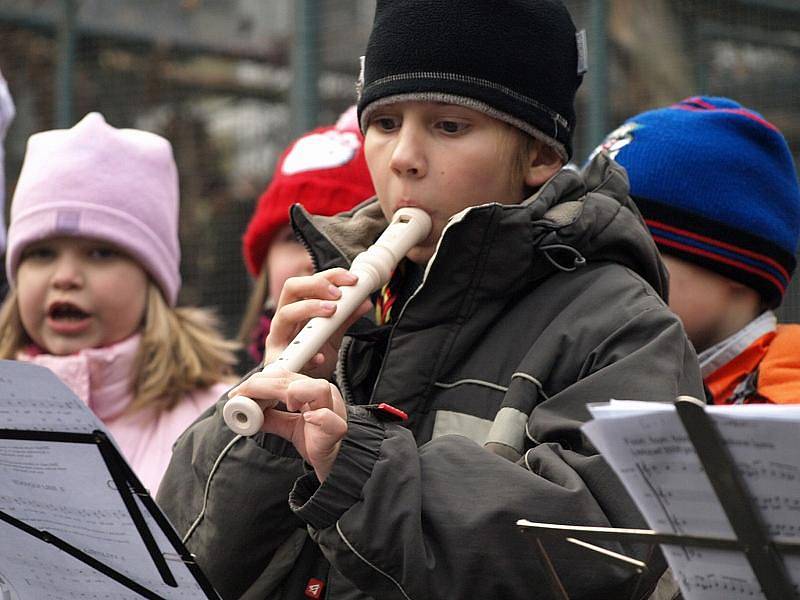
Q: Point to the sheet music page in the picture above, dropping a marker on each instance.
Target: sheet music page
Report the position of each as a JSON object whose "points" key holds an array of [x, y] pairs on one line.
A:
{"points": [[188, 587], [66, 489], [31, 570], [648, 448], [33, 398]]}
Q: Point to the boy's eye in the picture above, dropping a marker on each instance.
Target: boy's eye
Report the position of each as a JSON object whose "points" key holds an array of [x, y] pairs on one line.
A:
{"points": [[451, 126], [384, 123]]}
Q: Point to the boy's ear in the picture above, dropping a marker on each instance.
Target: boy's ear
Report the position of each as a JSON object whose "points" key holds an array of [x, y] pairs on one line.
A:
{"points": [[543, 162]]}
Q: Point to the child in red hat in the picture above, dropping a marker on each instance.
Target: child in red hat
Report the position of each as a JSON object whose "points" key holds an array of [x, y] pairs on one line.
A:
{"points": [[325, 171]]}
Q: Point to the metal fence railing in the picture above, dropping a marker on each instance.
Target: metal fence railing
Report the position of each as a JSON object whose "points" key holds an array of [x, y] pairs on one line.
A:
{"points": [[215, 77]]}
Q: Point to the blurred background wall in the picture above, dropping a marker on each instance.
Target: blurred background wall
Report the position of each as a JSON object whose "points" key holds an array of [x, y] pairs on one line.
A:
{"points": [[231, 82]]}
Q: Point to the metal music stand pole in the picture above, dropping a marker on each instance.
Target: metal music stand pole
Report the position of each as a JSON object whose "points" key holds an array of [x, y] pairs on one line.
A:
{"points": [[763, 555]]}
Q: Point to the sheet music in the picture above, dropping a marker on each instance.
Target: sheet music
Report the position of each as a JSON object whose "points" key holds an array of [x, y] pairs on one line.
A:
{"points": [[67, 490], [33, 398], [188, 587], [649, 449], [32, 569]]}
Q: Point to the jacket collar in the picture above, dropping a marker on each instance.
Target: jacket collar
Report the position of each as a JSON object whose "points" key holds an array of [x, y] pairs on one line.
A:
{"points": [[723, 352], [576, 216], [100, 377]]}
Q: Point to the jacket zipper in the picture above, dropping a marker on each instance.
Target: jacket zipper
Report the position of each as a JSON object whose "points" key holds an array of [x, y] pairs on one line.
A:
{"points": [[307, 246], [342, 382], [340, 373], [298, 233], [449, 224]]}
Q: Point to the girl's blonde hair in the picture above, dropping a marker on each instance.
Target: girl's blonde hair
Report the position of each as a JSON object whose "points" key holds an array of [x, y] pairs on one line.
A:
{"points": [[181, 350]]}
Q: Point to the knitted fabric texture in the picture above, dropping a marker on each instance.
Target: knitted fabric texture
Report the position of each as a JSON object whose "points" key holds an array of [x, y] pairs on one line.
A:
{"points": [[717, 187], [6, 116], [96, 181], [324, 170], [516, 60]]}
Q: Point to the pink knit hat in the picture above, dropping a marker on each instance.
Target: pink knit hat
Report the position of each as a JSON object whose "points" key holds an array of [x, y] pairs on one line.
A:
{"points": [[6, 116], [96, 181]]}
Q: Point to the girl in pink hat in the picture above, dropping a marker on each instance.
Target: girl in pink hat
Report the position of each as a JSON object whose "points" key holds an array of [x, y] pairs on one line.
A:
{"points": [[93, 263]]}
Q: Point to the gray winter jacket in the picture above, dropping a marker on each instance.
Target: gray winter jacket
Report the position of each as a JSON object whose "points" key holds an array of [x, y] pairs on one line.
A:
{"points": [[525, 314]]}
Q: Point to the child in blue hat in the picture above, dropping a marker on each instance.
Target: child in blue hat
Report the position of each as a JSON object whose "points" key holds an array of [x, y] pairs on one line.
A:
{"points": [[717, 186]]}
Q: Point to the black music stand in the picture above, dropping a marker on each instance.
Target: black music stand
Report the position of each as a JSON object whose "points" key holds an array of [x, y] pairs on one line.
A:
{"points": [[763, 555], [26, 391], [129, 488]]}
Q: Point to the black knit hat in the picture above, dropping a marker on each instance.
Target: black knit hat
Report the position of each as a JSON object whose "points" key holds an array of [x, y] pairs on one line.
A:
{"points": [[516, 60]]}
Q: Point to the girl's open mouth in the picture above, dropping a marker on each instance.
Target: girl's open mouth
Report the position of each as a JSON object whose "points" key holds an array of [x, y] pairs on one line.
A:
{"points": [[67, 318], [66, 311]]}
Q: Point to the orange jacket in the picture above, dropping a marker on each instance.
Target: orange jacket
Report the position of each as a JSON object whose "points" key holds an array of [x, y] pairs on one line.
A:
{"points": [[766, 371]]}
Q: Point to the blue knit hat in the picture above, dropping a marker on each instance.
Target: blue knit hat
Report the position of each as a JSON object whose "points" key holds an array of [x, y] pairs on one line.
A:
{"points": [[717, 186]]}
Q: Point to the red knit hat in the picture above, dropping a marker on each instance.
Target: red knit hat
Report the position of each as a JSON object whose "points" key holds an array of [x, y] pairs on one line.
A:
{"points": [[323, 170]]}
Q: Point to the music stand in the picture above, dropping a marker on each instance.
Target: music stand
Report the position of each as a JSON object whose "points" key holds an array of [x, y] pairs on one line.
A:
{"points": [[763, 554], [148, 522]]}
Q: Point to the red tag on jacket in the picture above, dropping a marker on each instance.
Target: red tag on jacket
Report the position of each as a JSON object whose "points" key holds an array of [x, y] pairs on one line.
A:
{"points": [[314, 588]]}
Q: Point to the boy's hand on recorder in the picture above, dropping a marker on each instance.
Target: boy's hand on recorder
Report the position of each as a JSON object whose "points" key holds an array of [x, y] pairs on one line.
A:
{"points": [[314, 419], [301, 299]]}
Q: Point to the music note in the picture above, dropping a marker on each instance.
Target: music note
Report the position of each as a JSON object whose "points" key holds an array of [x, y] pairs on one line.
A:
{"points": [[651, 452], [61, 487]]}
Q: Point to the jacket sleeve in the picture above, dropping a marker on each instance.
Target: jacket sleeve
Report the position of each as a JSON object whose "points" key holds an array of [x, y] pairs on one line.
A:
{"points": [[229, 493], [438, 521]]}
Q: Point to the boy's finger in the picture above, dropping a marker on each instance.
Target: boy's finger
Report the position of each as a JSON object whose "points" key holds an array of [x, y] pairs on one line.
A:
{"points": [[339, 276], [322, 286], [308, 394], [331, 424], [269, 384], [280, 423], [289, 318], [301, 311]]}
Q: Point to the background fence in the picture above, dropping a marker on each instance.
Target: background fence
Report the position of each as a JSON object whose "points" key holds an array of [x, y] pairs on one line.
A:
{"points": [[230, 82]]}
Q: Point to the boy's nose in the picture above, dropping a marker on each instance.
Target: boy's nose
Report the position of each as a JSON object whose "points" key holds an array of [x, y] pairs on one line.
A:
{"points": [[408, 155]]}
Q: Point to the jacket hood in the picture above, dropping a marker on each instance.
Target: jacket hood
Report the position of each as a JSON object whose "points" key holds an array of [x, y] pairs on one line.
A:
{"points": [[577, 217], [592, 212]]}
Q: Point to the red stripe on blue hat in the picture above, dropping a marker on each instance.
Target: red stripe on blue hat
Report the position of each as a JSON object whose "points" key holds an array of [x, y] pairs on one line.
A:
{"points": [[719, 258], [695, 100], [784, 274], [697, 104]]}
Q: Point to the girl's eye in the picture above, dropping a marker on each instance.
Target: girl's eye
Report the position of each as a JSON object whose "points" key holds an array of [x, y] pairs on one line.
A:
{"points": [[38, 253], [103, 252], [451, 126]]}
